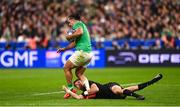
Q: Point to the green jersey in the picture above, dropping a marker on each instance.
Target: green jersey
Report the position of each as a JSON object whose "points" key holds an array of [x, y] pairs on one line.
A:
{"points": [[83, 42]]}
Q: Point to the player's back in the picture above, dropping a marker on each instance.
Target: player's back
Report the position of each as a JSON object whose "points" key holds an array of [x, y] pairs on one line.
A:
{"points": [[104, 90]]}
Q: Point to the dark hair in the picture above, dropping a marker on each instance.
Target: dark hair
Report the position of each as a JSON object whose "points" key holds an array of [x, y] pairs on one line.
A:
{"points": [[75, 81], [75, 16]]}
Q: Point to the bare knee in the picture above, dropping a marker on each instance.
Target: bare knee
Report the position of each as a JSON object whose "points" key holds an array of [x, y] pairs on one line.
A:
{"points": [[117, 89], [68, 66]]}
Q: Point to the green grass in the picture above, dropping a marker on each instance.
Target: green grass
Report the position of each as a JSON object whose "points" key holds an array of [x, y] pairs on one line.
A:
{"points": [[17, 86]]}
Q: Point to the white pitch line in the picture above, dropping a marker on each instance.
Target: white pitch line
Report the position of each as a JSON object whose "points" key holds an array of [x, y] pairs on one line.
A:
{"points": [[59, 92], [38, 94]]}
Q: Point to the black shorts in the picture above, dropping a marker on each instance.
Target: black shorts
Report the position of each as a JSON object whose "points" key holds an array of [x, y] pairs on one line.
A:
{"points": [[111, 94], [111, 84]]}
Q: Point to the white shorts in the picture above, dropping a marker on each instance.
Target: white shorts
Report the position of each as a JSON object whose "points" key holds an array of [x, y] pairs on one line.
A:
{"points": [[80, 58]]}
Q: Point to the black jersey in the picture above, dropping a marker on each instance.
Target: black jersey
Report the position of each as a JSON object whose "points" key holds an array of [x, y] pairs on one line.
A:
{"points": [[105, 91]]}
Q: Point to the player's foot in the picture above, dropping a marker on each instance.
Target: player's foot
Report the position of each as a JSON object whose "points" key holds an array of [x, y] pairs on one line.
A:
{"points": [[140, 97], [137, 96], [156, 78], [67, 95]]}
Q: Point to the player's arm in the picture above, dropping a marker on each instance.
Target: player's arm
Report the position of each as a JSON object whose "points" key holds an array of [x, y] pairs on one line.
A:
{"points": [[90, 94], [70, 46], [78, 32], [74, 95]]}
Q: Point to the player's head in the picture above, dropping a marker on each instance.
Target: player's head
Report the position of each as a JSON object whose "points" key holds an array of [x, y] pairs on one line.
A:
{"points": [[78, 84], [72, 19]]}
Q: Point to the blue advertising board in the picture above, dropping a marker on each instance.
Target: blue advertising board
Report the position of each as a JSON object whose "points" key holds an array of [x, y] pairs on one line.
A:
{"points": [[58, 60], [44, 59], [22, 59], [118, 58]]}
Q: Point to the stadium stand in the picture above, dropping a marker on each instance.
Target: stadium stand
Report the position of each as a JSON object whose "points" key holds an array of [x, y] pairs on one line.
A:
{"points": [[120, 24]]}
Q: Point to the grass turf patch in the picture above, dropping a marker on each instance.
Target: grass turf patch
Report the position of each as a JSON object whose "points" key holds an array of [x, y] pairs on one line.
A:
{"points": [[22, 86]]}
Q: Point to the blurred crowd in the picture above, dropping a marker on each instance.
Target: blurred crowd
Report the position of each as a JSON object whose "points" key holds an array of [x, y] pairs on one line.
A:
{"points": [[38, 22]]}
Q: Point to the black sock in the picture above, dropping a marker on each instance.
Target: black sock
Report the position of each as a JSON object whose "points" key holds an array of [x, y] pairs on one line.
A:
{"points": [[145, 84], [155, 79], [129, 93]]}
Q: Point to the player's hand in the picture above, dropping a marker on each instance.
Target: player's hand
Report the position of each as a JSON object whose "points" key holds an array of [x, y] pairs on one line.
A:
{"points": [[60, 50], [68, 38], [65, 88]]}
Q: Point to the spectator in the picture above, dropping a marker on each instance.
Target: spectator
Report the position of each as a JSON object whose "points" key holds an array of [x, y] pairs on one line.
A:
{"points": [[138, 19], [32, 43], [168, 40]]}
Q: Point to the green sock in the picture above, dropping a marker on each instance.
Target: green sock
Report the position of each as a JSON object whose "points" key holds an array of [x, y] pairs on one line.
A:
{"points": [[70, 86]]}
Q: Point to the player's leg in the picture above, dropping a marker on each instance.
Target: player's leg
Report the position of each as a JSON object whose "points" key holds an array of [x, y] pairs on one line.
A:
{"points": [[69, 65], [116, 89], [145, 84], [148, 83], [68, 73], [84, 60], [130, 90], [80, 74]]}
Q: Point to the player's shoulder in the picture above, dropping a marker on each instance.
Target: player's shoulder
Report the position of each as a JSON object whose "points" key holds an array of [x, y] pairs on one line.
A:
{"points": [[93, 82], [80, 23], [77, 25]]}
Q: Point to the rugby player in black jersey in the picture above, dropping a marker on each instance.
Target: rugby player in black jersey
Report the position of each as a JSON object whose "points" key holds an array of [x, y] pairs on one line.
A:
{"points": [[111, 90]]}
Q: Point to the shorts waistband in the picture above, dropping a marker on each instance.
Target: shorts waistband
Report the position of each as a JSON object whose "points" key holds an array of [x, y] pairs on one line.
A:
{"points": [[83, 51]]}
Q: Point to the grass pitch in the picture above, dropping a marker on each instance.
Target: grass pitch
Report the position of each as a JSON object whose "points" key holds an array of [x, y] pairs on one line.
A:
{"points": [[21, 87]]}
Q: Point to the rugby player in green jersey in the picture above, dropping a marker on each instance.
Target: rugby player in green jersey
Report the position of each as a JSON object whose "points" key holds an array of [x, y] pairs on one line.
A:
{"points": [[80, 39]]}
